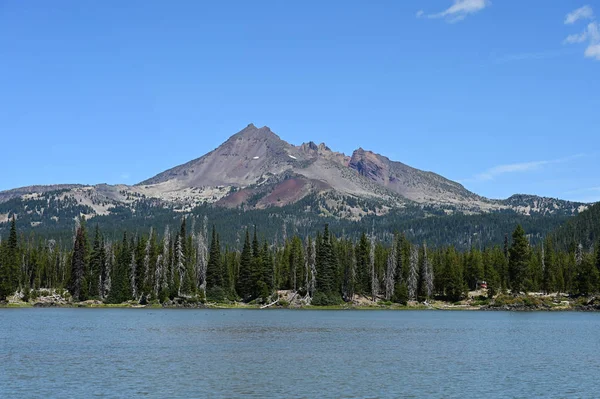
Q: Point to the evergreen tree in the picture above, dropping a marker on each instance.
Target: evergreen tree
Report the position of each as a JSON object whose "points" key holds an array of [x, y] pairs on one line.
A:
{"points": [[400, 293], [97, 260], [518, 260], [598, 255], [214, 272], [363, 250], [474, 269], [326, 264], [77, 282], [9, 265], [455, 285], [120, 290], [244, 280]]}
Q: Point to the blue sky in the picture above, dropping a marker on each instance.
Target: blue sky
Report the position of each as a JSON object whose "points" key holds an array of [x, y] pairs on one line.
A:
{"points": [[501, 95]]}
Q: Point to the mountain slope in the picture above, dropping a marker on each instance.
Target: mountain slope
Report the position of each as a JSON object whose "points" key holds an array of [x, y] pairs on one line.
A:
{"points": [[582, 229], [256, 169]]}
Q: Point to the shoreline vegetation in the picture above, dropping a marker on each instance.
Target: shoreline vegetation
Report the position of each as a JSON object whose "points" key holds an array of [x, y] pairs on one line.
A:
{"points": [[191, 268], [476, 301]]}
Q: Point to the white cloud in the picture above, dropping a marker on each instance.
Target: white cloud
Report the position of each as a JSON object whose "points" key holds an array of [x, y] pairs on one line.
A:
{"points": [[584, 12], [125, 176], [593, 51], [591, 34], [571, 39], [459, 10], [499, 170]]}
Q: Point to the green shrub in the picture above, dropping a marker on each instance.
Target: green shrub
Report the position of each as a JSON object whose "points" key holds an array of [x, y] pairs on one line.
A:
{"points": [[284, 303], [216, 294], [26, 294], [401, 294], [163, 295], [323, 299]]}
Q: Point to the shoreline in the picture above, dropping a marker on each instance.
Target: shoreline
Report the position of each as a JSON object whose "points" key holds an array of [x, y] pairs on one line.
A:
{"points": [[475, 301], [238, 306]]}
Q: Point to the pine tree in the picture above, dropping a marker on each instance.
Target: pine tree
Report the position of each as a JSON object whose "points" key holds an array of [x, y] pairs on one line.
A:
{"points": [[244, 280], [120, 280], [349, 270], [266, 276], [474, 270], [598, 255], [455, 285], [362, 265], [77, 283], [214, 272], [9, 266], [97, 260], [518, 260], [326, 264], [586, 279]]}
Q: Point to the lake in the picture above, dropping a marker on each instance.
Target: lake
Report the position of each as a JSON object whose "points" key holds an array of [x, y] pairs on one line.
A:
{"points": [[155, 353]]}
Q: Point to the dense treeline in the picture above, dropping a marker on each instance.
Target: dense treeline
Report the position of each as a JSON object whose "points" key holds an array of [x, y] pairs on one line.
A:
{"points": [[193, 262]]}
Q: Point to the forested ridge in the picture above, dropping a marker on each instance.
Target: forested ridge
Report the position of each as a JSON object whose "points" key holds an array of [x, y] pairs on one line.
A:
{"points": [[53, 219], [193, 263]]}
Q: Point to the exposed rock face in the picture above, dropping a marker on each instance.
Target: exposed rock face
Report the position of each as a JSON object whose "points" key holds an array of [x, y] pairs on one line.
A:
{"points": [[240, 161], [411, 183]]}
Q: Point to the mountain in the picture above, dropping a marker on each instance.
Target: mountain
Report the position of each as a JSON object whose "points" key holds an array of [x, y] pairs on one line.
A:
{"points": [[255, 169]]}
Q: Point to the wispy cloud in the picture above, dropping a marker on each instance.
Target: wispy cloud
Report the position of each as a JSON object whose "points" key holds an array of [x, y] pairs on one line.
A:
{"points": [[584, 12], [584, 190], [591, 34], [125, 176], [520, 167], [459, 10], [586, 194], [534, 55]]}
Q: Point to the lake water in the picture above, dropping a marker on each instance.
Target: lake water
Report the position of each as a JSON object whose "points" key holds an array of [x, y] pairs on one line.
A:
{"points": [[125, 353]]}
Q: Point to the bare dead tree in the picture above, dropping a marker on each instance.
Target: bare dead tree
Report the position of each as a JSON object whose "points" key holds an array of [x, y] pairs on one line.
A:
{"points": [[374, 279], [427, 273], [390, 273], [132, 275], [146, 262], [180, 262], [413, 273], [311, 258]]}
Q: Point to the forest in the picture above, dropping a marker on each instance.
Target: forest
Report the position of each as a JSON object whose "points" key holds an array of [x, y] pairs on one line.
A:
{"points": [[191, 262]]}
